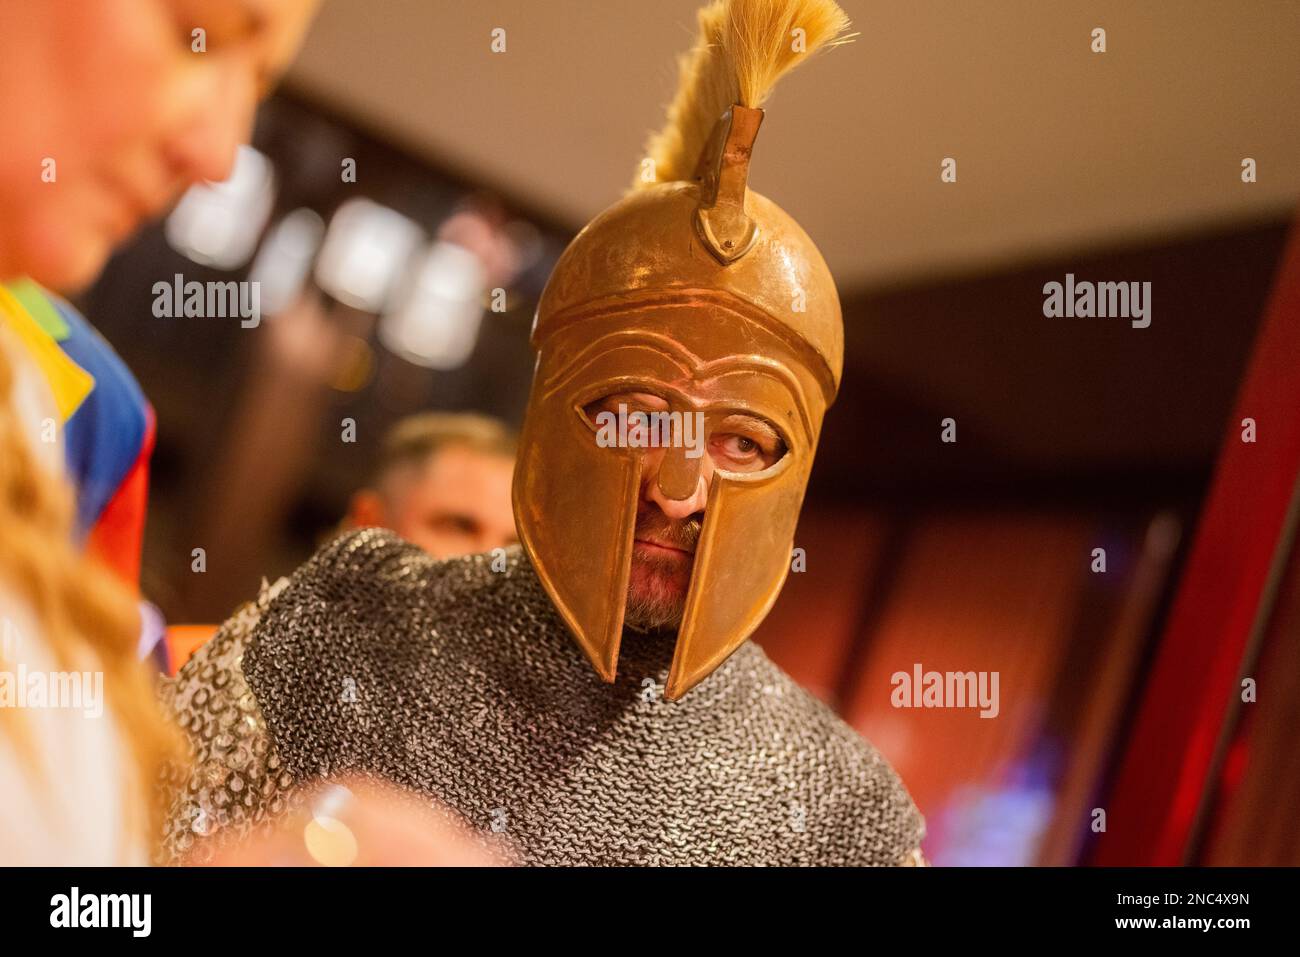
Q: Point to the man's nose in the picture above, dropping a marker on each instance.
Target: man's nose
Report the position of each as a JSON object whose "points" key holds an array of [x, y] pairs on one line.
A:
{"points": [[681, 486]]}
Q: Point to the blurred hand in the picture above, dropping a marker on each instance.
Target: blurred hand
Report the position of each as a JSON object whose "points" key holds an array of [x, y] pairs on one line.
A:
{"points": [[358, 822]]}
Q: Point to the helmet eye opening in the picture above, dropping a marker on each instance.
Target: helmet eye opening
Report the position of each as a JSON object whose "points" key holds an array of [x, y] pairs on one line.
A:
{"points": [[740, 442]]}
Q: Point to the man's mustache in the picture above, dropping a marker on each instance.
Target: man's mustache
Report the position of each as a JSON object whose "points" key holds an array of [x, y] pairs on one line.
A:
{"points": [[653, 525]]}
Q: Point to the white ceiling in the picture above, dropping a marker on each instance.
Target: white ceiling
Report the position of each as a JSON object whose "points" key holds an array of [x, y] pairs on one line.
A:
{"points": [[1058, 149]]}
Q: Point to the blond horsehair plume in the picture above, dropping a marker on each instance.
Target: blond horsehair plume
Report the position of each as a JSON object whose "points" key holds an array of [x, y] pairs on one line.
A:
{"points": [[744, 47]]}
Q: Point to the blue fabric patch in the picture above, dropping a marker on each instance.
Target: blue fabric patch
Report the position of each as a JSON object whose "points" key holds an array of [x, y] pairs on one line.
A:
{"points": [[104, 436]]}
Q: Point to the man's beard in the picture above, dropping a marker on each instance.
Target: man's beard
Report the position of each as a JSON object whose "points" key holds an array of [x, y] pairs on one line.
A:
{"points": [[658, 584]]}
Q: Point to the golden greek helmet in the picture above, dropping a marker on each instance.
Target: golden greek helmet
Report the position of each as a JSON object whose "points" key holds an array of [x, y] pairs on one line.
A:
{"points": [[691, 277]]}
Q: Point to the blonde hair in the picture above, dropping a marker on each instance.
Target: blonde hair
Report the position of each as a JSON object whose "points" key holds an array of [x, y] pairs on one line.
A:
{"points": [[744, 47], [79, 608]]}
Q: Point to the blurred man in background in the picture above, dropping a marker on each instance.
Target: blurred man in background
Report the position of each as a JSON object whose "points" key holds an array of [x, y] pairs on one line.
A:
{"points": [[443, 483]]}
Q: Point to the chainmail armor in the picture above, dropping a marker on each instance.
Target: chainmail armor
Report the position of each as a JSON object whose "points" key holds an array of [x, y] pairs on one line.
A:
{"points": [[463, 684]]}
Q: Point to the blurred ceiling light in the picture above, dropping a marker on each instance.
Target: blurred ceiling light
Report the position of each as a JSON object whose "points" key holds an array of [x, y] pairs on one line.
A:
{"points": [[436, 321], [217, 224], [285, 259], [366, 249]]}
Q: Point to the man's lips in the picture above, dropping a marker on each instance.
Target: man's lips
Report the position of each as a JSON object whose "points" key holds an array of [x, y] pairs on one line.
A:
{"points": [[660, 548]]}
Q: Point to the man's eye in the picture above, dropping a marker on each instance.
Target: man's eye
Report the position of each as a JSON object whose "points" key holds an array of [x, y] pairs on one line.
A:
{"points": [[745, 453], [740, 446]]}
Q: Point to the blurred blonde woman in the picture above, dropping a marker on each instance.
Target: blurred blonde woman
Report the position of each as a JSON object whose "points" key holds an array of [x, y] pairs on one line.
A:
{"points": [[110, 113]]}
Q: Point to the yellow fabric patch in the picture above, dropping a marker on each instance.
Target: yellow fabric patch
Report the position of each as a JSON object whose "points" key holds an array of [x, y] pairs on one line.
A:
{"points": [[68, 381]]}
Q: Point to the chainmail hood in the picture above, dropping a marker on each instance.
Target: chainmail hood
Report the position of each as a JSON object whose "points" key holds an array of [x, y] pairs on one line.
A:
{"points": [[459, 681]]}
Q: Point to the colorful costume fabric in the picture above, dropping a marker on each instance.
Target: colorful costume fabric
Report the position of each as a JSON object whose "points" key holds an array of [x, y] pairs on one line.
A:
{"points": [[106, 422]]}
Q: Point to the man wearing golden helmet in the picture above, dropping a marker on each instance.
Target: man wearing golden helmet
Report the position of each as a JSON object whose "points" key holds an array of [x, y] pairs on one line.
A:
{"points": [[660, 735]]}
